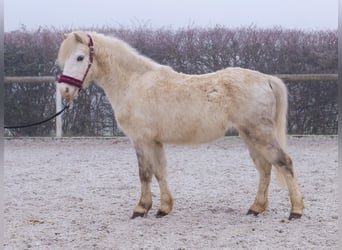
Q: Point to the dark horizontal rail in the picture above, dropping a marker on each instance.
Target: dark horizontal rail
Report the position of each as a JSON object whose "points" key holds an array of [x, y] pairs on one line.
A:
{"points": [[308, 77], [285, 77], [29, 79]]}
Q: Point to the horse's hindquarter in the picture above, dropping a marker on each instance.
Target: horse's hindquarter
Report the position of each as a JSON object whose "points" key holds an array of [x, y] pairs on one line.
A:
{"points": [[179, 108]]}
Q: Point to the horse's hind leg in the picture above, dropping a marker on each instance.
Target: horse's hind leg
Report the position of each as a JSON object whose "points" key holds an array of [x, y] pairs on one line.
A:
{"points": [[151, 160], [284, 164], [264, 168], [266, 143]]}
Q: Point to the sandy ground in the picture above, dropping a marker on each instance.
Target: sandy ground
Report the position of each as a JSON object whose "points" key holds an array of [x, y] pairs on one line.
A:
{"points": [[80, 194]]}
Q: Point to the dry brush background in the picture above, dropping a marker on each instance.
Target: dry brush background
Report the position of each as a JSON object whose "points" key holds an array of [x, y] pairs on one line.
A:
{"points": [[312, 105]]}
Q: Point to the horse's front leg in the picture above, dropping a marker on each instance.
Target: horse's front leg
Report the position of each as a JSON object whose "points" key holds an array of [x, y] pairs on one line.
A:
{"points": [[145, 174], [160, 172], [151, 160]]}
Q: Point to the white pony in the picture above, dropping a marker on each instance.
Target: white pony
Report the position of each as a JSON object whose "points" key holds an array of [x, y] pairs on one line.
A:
{"points": [[154, 105]]}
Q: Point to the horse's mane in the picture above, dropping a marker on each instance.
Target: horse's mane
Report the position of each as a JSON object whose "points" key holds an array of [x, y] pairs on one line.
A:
{"points": [[122, 48]]}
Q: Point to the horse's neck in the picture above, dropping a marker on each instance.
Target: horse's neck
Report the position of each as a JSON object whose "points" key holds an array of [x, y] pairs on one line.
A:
{"points": [[118, 63]]}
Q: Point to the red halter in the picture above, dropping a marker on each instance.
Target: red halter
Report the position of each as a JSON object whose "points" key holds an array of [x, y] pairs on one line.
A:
{"points": [[76, 82]]}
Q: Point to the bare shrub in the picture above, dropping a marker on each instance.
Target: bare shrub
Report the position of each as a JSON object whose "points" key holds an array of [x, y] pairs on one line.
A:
{"points": [[312, 109]]}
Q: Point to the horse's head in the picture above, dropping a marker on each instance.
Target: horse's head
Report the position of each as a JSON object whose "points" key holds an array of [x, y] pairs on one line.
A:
{"points": [[75, 57]]}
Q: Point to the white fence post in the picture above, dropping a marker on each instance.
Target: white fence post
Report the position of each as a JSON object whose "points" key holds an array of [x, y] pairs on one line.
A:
{"points": [[59, 130]]}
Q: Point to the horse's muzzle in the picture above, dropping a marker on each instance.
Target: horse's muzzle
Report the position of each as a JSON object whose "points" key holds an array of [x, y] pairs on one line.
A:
{"points": [[68, 92]]}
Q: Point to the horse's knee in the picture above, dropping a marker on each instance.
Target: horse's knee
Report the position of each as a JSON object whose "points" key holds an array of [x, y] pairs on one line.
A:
{"points": [[145, 169], [145, 175]]}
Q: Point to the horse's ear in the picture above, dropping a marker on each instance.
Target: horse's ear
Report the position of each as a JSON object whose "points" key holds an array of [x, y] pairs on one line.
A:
{"points": [[64, 36], [78, 38]]}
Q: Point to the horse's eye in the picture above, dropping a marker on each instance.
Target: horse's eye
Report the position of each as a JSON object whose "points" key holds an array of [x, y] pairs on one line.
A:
{"points": [[80, 58]]}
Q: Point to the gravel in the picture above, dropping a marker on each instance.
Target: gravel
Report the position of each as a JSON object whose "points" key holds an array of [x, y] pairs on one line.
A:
{"points": [[79, 193]]}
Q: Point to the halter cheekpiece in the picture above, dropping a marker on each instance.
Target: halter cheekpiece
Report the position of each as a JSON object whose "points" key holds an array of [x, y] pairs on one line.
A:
{"points": [[76, 82]]}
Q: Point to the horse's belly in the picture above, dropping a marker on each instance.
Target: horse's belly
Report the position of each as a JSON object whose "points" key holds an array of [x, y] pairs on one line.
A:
{"points": [[195, 133], [184, 140]]}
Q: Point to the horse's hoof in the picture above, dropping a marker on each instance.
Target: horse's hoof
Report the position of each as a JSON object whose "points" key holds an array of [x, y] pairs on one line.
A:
{"points": [[161, 214], [250, 211], [294, 216], [135, 215]]}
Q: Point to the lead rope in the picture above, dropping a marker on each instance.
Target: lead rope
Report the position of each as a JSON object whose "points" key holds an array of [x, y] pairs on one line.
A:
{"points": [[40, 122]]}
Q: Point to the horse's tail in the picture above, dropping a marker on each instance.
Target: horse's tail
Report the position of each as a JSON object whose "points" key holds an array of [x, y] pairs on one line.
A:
{"points": [[280, 92]]}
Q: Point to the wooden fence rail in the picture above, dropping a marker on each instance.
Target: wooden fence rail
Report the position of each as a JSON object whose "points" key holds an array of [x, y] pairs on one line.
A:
{"points": [[285, 77], [50, 79], [29, 79], [308, 77]]}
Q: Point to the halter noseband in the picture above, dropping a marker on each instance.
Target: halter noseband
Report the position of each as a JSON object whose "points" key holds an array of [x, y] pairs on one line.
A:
{"points": [[76, 82]]}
